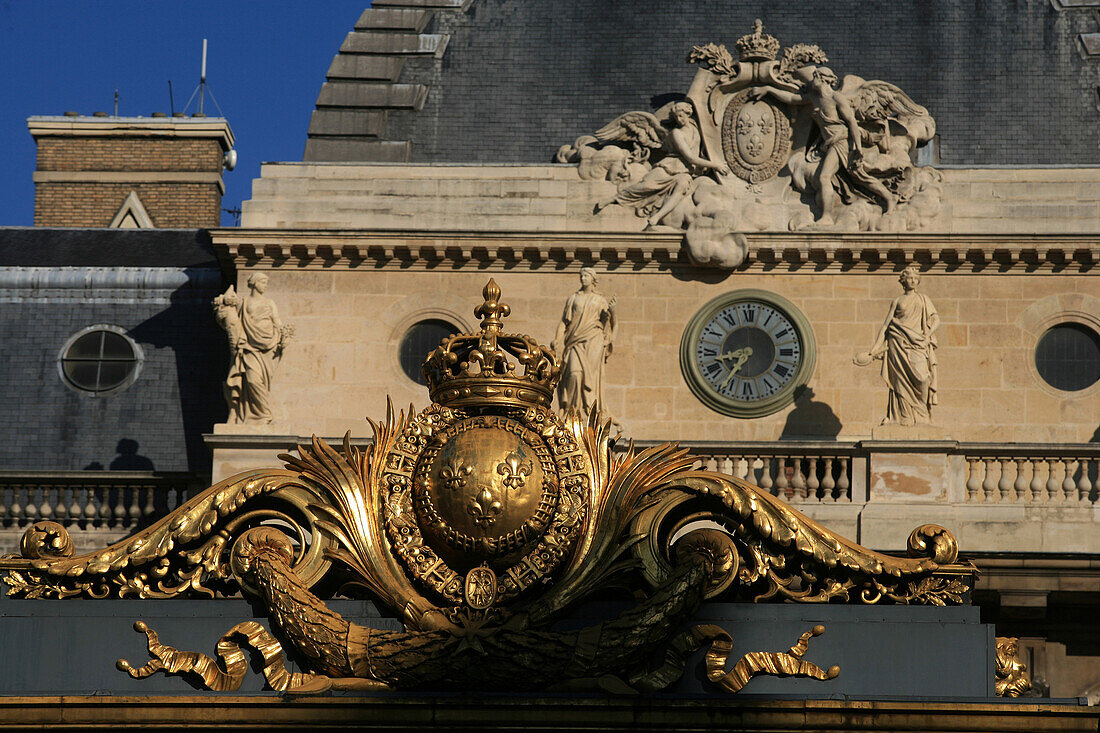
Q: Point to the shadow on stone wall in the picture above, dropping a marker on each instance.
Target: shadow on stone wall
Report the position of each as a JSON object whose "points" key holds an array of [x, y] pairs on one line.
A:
{"points": [[187, 327], [810, 420]]}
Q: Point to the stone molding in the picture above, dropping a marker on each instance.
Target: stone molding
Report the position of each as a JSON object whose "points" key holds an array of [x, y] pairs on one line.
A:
{"points": [[106, 284], [496, 713], [131, 177], [215, 127], [807, 253]]}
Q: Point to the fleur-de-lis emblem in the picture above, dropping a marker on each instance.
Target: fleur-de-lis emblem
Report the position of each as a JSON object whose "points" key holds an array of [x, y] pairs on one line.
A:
{"points": [[515, 471], [454, 474], [484, 508]]}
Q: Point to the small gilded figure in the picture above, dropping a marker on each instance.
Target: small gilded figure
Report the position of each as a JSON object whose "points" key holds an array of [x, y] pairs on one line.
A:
{"points": [[583, 342], [906, 344], [256, 340]]}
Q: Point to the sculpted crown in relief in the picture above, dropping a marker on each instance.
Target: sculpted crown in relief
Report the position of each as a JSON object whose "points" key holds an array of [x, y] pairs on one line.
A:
{"points": [[766, 143]]}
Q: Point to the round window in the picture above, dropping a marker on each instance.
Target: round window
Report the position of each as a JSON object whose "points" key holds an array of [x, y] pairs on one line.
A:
{"points": [[100, 360], [1068, 357], [419, 341]]}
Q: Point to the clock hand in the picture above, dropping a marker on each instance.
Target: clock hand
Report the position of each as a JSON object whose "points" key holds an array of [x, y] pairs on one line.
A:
{"points": [[742, 356]]}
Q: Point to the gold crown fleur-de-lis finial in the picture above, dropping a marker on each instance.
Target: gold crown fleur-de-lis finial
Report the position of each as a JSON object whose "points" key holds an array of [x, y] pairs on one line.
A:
{"points": [[491, 313], [480, 369]]}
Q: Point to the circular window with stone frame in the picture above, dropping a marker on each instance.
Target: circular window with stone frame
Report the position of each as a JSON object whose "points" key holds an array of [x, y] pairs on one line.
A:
{"points": [[1067, 357], [99, 360], [419, 340]]}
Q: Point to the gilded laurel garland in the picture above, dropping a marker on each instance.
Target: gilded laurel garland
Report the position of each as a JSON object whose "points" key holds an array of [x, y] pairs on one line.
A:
{"points": [[480, 521]]}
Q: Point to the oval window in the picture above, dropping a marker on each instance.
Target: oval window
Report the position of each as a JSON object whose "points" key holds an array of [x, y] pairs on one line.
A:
{"points": [[1067, 357], [419, 341], [99, 360]]}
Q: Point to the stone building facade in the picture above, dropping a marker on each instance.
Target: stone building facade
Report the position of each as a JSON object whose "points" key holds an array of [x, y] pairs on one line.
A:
{"points": [[429, 168]]}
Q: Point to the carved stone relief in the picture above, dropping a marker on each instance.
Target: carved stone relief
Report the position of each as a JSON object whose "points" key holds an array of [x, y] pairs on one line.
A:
{"points": [[257, 338], [906, 345], [767, 143]]}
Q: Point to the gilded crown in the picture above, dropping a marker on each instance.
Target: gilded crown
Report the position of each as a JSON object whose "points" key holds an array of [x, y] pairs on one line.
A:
{"points": [[481, 369], [758, 45]]}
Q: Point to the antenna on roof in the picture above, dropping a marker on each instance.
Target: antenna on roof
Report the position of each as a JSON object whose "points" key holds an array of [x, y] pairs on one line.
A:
{"points": [[201, 90], [202, 77]]}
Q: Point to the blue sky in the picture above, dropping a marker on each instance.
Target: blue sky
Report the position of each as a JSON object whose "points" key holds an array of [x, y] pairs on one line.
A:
{"points": [[265, 65]]}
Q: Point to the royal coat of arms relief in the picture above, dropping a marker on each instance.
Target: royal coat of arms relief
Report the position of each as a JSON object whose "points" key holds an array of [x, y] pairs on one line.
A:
{"points": [[766, 142]]}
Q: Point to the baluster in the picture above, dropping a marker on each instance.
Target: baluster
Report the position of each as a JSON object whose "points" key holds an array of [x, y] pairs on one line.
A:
{"points": [[105, 512], [710, 463], [798, 481], [725, 465], [4, 501], [30, 511], [1084, 485], [61, 508], [45, 507], [781, 483], [1019, 485], [766, 474], [1004, 486], [1053, 484], [812, 483], [989, 486], [90, 510], [1069, 484], [150, 507], [16, 510], [1037, 484], [827, 482], [741, 468], [118, 506], [843, 482], [972, 482], [133, 512]]}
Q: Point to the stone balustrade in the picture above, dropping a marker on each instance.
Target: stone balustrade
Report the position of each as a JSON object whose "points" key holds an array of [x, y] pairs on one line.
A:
{"points": [[798, 472], [96, 506], [857, 487], [1031, 474]]}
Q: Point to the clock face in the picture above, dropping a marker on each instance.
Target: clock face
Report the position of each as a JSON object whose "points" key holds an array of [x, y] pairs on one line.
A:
{"points": [[745, 353]]}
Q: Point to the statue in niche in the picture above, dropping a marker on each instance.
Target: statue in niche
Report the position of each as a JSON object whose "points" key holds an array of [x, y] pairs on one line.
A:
{"points": [[805, 150], [583, 343], [257, 338], [906, 344], [672, 179]]}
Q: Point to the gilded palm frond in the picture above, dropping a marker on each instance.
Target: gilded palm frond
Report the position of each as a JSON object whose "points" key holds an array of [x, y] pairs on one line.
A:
{"points": [[617, 492]]}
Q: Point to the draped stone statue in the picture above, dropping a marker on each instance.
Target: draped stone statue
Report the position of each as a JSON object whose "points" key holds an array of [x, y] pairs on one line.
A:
{"points": [[583, 342], [906, 344], [256, 340]]}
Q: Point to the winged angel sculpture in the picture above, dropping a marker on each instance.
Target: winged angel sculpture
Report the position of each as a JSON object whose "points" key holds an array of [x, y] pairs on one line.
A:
{"points": [[765, 143], [480, 522]]}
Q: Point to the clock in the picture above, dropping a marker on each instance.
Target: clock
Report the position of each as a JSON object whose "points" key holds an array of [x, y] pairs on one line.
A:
{"points": [[746, 353]]}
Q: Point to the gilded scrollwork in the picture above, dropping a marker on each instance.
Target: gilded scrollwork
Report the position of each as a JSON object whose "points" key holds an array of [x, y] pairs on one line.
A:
{"points": [[569, 517], [1011, 678]]}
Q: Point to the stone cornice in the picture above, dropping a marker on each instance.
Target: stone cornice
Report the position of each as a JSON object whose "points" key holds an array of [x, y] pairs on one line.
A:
{"points": [[803, 252], [62, 126]]}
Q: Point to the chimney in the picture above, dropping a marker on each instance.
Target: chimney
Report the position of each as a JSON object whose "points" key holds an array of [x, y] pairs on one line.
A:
{"points": [[129, 171]]}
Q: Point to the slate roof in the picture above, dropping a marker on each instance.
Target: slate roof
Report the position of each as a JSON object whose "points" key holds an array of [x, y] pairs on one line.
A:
{"points": [[58, 247], [508, 81], [178, 395]]}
